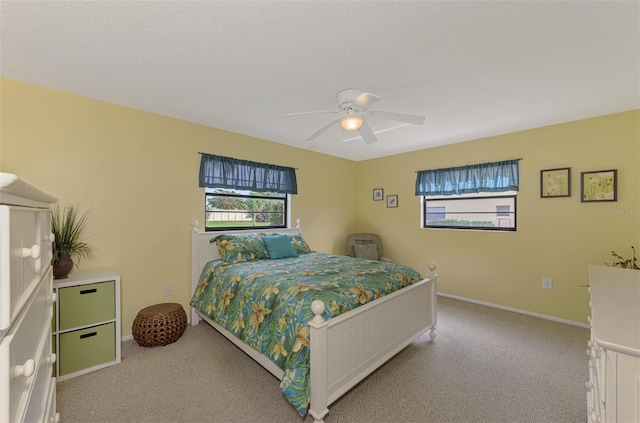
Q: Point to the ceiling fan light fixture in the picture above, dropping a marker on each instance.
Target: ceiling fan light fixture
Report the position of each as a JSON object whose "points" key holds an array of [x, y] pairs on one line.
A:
{"points": [[351, 123], [353, 105]]}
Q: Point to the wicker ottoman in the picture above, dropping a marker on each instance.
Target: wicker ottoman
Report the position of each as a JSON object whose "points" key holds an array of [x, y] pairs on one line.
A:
{"points": [[159, 324]]}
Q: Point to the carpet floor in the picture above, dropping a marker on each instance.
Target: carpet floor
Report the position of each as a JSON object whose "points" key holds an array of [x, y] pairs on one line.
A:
{"points": [[486, 365]]}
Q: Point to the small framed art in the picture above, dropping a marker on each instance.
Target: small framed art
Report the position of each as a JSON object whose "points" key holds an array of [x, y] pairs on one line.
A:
{"points": [[599, 185], [392, 201], [378, 194], [555, 182]]}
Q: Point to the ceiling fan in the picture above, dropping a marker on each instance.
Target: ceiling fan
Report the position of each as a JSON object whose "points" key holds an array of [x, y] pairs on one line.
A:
{"points": [[354, 107]]}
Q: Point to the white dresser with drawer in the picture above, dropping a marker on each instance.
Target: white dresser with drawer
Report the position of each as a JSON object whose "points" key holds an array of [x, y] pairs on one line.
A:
{"points": [[27, 388], [613, 389]]}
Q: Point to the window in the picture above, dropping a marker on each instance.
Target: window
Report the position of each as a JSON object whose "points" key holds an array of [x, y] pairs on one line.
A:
{"points": [[241, 194], [227, 209], [471, 211], [479, 196]]}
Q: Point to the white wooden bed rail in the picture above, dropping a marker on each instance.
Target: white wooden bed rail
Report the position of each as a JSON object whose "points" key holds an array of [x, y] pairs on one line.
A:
{"points": [[345, 349]]}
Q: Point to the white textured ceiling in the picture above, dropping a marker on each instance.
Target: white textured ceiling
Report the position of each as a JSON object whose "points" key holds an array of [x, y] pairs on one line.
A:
{"points": [[474, 69]]}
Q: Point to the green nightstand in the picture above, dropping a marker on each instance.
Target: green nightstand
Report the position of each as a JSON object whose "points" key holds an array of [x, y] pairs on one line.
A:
{"points": [[86, 326]]}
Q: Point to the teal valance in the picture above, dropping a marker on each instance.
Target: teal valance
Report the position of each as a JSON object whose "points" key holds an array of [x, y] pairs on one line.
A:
{"points": [[227, 172], [484, 177]]}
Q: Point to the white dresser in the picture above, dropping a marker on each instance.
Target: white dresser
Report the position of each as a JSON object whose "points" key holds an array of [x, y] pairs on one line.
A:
{"points": [[613, 389], [27, 388]]}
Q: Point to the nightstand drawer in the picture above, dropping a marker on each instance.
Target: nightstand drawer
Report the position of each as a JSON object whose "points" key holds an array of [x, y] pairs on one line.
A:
{"points": [[85, 348], [85, 305], [87, 324]]}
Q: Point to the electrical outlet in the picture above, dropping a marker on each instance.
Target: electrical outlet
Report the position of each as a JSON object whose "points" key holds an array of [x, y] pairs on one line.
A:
{"points": [[168, 290], [547, 283]]}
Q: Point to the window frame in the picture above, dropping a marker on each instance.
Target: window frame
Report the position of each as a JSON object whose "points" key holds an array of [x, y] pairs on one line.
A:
{"points": [[425, 204], [286, 209]]}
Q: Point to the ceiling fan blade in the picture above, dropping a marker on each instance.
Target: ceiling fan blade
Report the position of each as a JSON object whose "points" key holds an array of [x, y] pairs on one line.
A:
{"points": [[311, 113], [367, 134], [365, 100], [400, 117], [321, 130]]}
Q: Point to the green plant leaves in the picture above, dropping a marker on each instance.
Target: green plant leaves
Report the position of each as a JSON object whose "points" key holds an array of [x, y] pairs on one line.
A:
{"points": [[69, 228], [631, 263]]}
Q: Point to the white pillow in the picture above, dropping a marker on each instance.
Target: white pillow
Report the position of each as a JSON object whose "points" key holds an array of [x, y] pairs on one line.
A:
{"points": [[366, 251]]}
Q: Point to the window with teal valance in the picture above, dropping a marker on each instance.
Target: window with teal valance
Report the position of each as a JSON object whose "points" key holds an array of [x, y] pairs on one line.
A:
{"points": [[227, 172], [484, 177]]}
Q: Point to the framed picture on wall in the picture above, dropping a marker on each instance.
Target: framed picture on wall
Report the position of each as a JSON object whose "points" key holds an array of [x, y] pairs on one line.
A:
{"points": [[392, 201], [378, 194], [555, 182], [599, 185]]}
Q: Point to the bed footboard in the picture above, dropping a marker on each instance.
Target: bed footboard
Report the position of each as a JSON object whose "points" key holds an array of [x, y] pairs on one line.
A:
{"points": [[346, 349]]}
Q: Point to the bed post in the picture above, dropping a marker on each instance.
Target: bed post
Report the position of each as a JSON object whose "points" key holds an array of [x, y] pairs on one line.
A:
{"points": [[434, 293], [195, 272], [318, 360]]}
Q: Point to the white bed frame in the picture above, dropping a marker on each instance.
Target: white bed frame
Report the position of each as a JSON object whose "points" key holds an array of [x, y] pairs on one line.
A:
{"points": [[346, 349]]}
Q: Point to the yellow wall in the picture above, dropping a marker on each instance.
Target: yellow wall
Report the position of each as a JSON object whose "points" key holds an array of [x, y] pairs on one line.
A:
{"points": [[556, 237], [138, 173]]}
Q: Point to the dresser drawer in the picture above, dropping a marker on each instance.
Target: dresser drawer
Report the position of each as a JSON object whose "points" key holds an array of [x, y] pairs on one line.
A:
{"points": [[46, 238], [85, 348], [25, 255], [22, 349], [85, 305], [37, 407], [51, 416]]}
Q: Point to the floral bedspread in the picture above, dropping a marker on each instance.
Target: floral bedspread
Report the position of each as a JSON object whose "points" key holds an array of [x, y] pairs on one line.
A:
{"points": [[267, 303]]}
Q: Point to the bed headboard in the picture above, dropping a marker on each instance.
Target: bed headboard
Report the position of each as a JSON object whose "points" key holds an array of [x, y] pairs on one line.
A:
{"points": [[203, 251]]}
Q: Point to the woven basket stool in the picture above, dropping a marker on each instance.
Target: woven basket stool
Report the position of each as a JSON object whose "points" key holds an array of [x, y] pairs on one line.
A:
{"points": [[159, 324]]}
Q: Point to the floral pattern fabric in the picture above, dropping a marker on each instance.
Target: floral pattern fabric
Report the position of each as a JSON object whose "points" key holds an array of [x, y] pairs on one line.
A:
{"points": [[238, 248], [267, 303]]}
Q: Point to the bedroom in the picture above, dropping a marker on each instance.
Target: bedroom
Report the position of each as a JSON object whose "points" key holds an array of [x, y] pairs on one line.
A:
{"points": [[137, 171], [135, 207]]}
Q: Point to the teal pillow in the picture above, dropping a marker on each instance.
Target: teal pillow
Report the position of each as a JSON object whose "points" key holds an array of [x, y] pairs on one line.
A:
{"points": [[298, 243], [279, 246]]}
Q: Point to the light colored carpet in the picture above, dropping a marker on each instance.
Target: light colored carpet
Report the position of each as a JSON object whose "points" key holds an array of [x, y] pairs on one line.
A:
{"points": [[486, 365]]}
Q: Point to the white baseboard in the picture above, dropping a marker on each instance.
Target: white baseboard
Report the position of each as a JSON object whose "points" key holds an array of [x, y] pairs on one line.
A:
{"points": [[516, 310]]}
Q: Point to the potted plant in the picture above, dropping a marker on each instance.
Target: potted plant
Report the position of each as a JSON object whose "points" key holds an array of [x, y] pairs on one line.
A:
{"points": [[69, 228], [620, 261]]}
